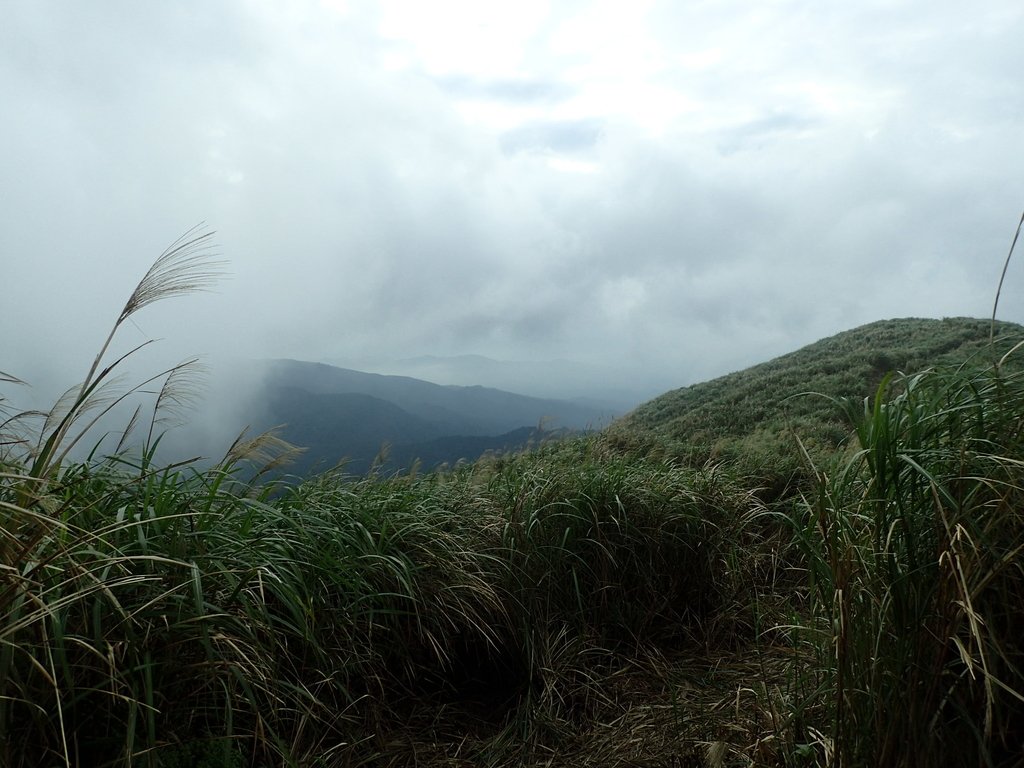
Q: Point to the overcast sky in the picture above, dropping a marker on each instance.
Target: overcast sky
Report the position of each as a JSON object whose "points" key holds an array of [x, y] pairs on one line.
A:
{"points": [[676, 189]]}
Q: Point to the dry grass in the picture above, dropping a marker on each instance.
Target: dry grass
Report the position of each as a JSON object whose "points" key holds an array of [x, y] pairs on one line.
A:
{"points": [[653, 709]]}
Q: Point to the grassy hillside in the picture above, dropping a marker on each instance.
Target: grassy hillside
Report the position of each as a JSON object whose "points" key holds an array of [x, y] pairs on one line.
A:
{"points": [[577, 605], [751, 416]]}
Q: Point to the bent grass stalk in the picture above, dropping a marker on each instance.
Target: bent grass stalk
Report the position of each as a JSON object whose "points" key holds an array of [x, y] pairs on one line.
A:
{"points": [[186, 266]]}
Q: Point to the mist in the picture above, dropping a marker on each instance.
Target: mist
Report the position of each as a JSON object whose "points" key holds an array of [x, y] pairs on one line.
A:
{"points": [[607, 202]]}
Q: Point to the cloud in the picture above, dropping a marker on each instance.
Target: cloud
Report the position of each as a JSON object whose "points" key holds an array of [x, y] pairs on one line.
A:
{"points": [[515, 90], [762, 131], [672, 190], [560, 137]]}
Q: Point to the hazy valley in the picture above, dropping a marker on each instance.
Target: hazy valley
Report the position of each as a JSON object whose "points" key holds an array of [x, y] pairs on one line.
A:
{"points": [[339, 415]]}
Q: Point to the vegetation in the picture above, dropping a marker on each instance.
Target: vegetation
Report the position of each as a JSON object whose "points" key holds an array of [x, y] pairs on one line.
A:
{"points": [[616, 599], [750, 417], [343, 415], [914, 550]]}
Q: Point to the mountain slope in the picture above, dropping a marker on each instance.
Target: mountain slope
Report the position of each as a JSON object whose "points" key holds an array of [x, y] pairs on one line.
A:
{"points": [[461, 410], [361, 430], [338, 414], [349, 425], [752, 414]]}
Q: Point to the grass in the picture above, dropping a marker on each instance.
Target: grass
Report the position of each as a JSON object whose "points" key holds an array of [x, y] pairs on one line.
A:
{"points": [[914, 550], [155, 608], [177, 616], [748, 418], [600, 601]]}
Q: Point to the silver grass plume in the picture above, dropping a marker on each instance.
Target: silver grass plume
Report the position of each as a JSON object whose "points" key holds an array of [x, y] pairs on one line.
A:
{"points": [[188, 264]]}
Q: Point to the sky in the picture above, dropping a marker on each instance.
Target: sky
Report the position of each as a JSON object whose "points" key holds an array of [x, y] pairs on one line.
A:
{"points": [[662, 191]]}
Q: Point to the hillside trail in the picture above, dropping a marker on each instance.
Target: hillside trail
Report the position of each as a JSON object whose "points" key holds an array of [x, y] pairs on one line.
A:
{"points": [[678, 709]]}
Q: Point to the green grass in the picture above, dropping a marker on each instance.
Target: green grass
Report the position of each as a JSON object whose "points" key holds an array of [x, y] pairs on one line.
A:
{"points": [[176, 616], [149, 609], [915, 559], [749, 418]]}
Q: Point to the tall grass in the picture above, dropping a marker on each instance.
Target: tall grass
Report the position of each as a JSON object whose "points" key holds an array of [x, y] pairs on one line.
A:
{"points": [[160, 609], [175, 616], [915, 552]]}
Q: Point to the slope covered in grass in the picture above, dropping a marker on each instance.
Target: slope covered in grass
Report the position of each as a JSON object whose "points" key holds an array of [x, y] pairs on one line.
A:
{"points": [[751, 416], [577, 605]]}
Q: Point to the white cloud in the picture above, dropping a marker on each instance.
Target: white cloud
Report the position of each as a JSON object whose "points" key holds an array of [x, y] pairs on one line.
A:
{"points": [[455, 36]]}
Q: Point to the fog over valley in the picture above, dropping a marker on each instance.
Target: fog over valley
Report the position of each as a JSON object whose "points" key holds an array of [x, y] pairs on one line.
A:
{"points": [[584, 201]]}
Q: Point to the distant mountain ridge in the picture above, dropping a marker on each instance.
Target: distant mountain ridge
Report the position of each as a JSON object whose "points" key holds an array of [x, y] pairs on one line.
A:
{"points": [[477, 409], [343, 414], [607, 387]]}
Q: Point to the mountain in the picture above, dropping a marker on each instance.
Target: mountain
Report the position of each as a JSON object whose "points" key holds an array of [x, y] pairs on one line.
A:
{"points": [[472, 410], [610, 388], [338, 413], [330, 426], [751, 415]]}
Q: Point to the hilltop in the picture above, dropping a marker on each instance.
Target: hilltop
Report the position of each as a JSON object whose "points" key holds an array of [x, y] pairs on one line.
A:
{"points": [[751, 415]]}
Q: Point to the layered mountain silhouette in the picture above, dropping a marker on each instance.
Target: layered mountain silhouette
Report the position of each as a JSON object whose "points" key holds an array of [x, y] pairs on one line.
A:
{"points": [[362, 419]]}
